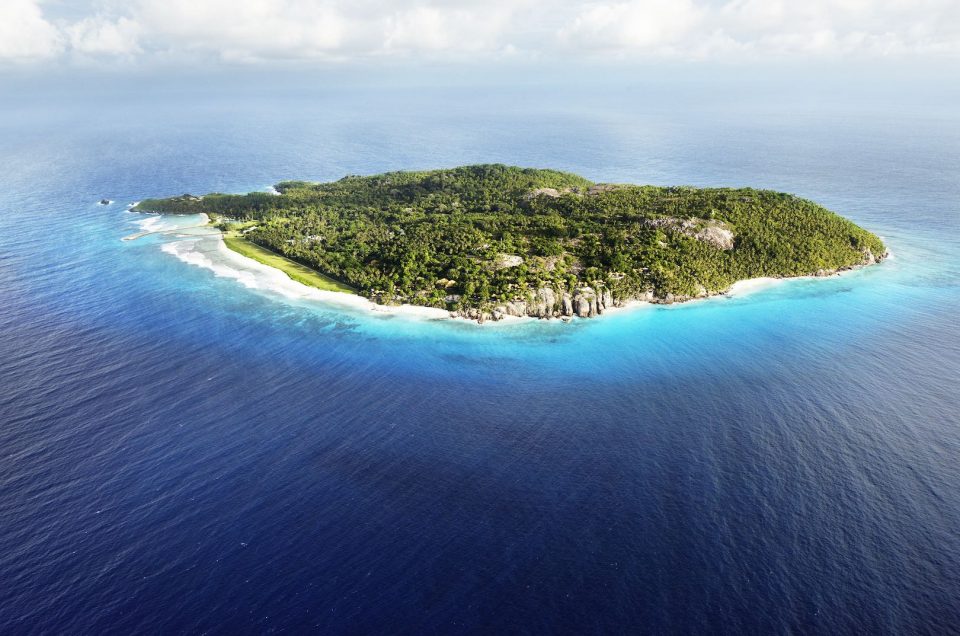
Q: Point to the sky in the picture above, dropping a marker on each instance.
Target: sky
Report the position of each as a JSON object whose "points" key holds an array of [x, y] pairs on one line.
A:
{"points": [[327, 33]]}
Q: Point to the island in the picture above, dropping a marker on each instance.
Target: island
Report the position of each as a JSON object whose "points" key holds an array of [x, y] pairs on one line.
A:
{"points": [[489, 241]]}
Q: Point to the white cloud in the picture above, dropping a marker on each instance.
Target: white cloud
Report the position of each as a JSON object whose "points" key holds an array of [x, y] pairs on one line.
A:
{"points": [[244, 29], [332, 30], [25, 34], [625, 26], [842, 27], [99, 36], [264, 29], [431, 28]]}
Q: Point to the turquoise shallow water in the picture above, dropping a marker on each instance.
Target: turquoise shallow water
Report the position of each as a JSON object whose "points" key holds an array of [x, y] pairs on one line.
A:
{"points": [[183, 453]]}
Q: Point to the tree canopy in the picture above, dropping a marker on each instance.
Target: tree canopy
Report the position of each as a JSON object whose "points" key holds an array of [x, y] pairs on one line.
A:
{"points": [[476, 236]]}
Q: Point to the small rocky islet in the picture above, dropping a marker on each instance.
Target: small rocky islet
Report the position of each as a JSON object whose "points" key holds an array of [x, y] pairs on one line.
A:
{"points": [[490, 241]]}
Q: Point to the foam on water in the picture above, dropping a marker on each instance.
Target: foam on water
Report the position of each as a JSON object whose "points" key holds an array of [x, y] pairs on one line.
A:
{"points": [[211, 253], [187, 251], [150, 223]]}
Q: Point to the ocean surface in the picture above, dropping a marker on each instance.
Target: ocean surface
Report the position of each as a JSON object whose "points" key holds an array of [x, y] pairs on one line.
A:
{"points": [[185, 448]]}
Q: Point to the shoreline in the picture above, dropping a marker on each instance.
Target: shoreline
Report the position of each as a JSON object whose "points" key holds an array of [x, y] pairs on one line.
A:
{"points": [[278, 281], [296, 271]]}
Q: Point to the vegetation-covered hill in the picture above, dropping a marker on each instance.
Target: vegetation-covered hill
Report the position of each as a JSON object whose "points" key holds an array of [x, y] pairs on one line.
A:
{"points": [[493, 239]]}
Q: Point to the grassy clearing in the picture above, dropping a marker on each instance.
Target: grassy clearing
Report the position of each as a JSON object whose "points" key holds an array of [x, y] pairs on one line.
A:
{"points": [[295, 271]]}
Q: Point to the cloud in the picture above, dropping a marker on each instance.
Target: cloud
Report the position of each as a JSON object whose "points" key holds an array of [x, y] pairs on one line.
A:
{"points": [[778, 28], [99, 36], [431, 28], [244, 29], [25, 34], [266, 29], [629, 26], [871, 28], [255, 31]]}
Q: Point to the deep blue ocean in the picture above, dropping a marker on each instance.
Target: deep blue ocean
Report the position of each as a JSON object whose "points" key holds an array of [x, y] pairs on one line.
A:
{"points": [[183, 453]]}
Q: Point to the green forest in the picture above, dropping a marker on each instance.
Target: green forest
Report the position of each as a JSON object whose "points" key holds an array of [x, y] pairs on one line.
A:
{"points": [[480, 236]]}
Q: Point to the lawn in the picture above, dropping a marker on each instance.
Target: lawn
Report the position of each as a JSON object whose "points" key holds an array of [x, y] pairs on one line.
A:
{"points": [[296, 271]]}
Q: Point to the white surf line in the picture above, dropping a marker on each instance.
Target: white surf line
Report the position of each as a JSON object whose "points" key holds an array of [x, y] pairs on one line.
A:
{"points": [[134, 237]]}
